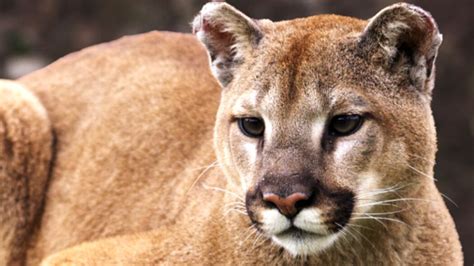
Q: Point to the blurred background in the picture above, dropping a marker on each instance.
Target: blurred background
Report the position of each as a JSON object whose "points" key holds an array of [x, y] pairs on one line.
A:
{"points": [[35, 33]]}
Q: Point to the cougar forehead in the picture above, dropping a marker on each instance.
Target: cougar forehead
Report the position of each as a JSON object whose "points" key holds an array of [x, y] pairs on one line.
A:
{"points": [[292, 66]]}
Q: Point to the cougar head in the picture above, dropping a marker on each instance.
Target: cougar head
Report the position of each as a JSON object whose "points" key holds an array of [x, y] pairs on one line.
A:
{"points": [[320, 117]]}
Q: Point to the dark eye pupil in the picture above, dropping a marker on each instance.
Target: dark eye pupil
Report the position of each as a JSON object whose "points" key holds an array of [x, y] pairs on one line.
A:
{"points": [[343, 125], [251, 126]]}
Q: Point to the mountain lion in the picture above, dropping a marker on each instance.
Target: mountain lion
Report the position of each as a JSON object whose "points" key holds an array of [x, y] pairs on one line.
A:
{"points": [[309, 141]]}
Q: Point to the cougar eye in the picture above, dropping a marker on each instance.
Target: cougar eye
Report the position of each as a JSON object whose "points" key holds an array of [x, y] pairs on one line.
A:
{"points": [[343, 125], [251, 126]]}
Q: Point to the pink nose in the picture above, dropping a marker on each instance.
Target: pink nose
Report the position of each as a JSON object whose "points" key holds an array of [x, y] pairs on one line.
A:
{"points": [[287, 206]]}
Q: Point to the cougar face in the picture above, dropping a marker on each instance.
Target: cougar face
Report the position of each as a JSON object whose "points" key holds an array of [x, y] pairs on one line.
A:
{"points": [[302, 147], [310, 126]]}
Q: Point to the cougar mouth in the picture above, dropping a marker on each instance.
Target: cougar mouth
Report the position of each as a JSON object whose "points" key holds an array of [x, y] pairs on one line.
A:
{"points": [[298, 233], [299, 241], [311, 229]]}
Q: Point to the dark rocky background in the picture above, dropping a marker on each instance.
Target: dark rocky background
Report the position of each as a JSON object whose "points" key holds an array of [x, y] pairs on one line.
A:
{"points": [[34, 33]]}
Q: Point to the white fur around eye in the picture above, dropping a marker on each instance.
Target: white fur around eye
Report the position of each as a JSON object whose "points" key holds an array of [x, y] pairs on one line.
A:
{"points": [[342, 148], [317, 129], [268, 129], [251, 152]]}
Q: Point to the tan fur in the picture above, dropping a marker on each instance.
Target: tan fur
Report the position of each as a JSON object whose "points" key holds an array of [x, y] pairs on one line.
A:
{"points": [[135, 171], [25, 156]]}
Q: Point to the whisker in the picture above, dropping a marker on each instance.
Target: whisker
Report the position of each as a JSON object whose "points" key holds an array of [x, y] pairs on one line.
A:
{"points": [[395, 200], [380, 213], [223, 190], [241, 212], [391, 189], [213, 164], [252, 232], [449, 199], [200, 175], [377, 204], [264, 238], [385, 189], [256, 240], [360, 226], [237, 204], [369, 217], [421, 173], [345, 229], [366, 239], [234, 210], [344, 237]]}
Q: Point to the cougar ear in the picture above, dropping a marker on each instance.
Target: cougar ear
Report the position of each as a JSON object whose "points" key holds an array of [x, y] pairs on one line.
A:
{"points": [[404, 39], [228, 35]]}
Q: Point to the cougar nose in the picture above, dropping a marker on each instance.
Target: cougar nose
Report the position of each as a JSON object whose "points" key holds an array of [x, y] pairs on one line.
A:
{"points": [[288, 206]]}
